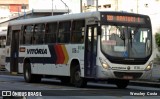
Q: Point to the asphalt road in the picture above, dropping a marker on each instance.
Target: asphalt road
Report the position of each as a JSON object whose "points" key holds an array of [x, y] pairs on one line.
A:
{"points": [[50, 89]]}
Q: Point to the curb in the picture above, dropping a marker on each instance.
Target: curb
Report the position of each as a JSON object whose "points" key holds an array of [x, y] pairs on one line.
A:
{"points": [[5, 73], [145, 83]]}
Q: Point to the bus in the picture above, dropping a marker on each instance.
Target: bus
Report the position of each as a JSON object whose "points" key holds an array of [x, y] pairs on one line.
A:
{"points": [[77, 48], [3, 34]]}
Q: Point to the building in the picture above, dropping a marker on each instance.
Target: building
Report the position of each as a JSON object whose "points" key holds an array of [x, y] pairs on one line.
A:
{"points": [[30, 14], [22, 9], [12, 7]]}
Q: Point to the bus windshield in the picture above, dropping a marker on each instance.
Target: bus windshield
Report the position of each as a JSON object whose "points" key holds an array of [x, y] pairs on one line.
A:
{"points": [[126, 41]]}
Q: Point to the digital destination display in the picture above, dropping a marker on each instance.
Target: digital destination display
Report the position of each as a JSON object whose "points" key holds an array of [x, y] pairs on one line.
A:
{"points": [[125, 19]]}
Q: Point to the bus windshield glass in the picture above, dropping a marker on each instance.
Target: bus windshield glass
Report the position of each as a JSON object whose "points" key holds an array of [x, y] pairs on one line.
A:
{"points": [[126, 41]]}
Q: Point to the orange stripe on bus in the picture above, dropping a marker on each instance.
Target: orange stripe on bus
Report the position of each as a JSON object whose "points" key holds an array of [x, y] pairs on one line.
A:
{"points": [[65, 54], [60, 55]]}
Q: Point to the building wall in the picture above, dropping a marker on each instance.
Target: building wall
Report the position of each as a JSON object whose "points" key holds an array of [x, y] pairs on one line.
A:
{"points": [[13, 1], [12, 7]]}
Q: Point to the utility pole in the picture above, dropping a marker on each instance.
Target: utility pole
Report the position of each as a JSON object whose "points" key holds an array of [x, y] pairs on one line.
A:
{"points": [[81, 6], [65, 5], [52, 7], [137, 6], [96, 5]]}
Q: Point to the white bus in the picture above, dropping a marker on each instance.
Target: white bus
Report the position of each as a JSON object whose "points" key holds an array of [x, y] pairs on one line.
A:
{"points": [[76, 48], [3, 37]]}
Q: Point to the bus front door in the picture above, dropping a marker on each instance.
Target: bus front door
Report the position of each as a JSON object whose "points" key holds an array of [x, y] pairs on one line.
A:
{"points": [[90, 51], [14, 51]]}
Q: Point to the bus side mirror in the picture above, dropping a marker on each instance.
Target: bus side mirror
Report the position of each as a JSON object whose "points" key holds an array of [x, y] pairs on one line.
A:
{"points": [[99, 30]]}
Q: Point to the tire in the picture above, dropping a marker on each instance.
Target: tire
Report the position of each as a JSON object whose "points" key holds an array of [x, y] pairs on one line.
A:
{"points": [[78, 81], [28, 76], [65, 80], [122, 84]]}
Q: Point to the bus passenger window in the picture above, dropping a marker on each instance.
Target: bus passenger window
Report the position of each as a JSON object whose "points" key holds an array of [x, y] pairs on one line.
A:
{"points": [[82, 39], [2, 41], [9, 36], [28, 34], [78, 31], [50, 34], [39, 33], [64, 32]]}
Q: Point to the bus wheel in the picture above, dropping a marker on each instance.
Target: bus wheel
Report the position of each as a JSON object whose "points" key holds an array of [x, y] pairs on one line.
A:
{"points": [[121, 84], [28, 76], [78, 81], [27, 73], [65, 80]]}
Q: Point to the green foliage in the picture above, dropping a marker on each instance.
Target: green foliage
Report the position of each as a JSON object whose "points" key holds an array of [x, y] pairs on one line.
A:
{"points": [[157, 36]]}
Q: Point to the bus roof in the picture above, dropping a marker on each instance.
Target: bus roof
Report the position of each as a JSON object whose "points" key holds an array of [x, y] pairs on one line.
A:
{"points": [[48, 19], [55, 18]]}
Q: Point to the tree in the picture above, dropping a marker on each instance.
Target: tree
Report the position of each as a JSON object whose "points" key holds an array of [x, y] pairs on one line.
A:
{"points": [[157, 37]]}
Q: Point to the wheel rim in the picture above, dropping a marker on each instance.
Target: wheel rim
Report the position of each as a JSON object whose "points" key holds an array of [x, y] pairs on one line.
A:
{"points": [[77, 76]]}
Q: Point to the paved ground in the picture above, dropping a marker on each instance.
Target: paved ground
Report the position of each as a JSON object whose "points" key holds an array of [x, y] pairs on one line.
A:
{"points": [[132, 82]]}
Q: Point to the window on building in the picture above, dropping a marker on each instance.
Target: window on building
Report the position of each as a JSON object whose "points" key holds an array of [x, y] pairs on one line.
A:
{"points": [[107, 6]]}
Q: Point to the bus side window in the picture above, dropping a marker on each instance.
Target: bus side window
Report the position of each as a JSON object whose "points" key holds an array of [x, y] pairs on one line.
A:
{"points": [[64, 32], [50, 34], [9, 36], [22, 35], [2, 41], [38, 35], [78, 31], [28, 34]]}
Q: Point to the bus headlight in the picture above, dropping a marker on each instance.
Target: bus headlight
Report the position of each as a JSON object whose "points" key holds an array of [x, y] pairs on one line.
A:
{"points": [[149, 66], [104, 64]]}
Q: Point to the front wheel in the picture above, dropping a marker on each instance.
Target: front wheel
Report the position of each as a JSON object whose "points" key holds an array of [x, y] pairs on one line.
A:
{"points": [[78, 81]]}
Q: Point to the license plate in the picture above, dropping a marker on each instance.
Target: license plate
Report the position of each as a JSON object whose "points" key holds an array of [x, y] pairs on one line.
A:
{"points": [[127, 77]]}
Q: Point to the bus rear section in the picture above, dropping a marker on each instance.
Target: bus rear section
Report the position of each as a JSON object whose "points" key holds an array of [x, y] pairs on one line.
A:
{"points": [[116, 47]]}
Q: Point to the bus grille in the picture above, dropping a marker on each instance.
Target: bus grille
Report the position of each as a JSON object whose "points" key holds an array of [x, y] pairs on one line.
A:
{"points": [[133, 74]]}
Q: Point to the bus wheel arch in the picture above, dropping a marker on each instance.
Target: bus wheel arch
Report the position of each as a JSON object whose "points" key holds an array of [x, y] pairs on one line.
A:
{"points": [[27, 72], [75, 74]]}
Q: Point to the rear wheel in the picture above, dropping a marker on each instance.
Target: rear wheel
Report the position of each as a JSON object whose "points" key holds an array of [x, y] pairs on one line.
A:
{"points": [[78, 81], [121, 84], [28, 76]]}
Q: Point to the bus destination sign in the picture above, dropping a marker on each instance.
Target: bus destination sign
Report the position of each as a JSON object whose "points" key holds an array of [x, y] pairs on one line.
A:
{"points": [[125, 19]]}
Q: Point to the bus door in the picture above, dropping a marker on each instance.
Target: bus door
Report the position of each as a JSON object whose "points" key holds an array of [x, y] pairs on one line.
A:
{"points": [[90, 51], [14, 51]]}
